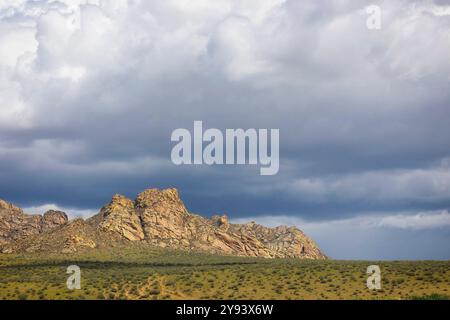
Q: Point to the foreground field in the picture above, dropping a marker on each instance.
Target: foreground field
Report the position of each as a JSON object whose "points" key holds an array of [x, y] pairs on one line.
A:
{"points": [[143, 273]]}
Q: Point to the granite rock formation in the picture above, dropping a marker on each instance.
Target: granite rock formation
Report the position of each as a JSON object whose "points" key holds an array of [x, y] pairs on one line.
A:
{"points": [[156, 217]]}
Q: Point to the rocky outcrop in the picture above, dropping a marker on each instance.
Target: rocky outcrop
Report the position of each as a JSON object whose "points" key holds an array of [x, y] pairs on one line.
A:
{"points": [[120, 217], [159, 217], [287, 242], [74, 236], [53, 219], [16, 225], [155, 217], [164, 216]]}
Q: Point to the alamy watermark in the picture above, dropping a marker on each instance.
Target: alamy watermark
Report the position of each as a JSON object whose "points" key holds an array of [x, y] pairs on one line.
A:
{"points": [[74, 280], [373, 21], [374, 280], [235, 146]]}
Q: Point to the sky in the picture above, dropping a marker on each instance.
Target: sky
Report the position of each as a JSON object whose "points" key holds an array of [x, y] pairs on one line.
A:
{"points": [[91, 90]]}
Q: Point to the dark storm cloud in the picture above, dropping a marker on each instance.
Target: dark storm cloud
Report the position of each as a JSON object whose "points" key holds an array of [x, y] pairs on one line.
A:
{"points": [[89, 96]]}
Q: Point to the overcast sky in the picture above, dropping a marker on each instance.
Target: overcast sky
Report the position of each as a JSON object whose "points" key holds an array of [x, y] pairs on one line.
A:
{"points": [[90, 92]]}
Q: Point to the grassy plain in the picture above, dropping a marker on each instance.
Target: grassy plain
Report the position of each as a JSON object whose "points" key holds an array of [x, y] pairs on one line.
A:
{"points": [[143, 273]]}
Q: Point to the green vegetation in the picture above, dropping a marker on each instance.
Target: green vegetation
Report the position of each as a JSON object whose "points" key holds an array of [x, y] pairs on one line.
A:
{"points": [[142, 273], [433, 296]]}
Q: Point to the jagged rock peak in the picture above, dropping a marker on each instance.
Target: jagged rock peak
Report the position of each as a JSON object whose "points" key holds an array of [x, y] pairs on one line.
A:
{"points": [[161, 200], [119, 217], [53, 218], [118, 201], [121, 199]]}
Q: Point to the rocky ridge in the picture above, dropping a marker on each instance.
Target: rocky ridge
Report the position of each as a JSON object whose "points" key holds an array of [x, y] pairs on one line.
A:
{"points": [[155, 217], [16, 225]]}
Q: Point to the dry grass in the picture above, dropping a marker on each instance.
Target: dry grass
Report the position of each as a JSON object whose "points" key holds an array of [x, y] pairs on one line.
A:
{"points": [[143, 273]]}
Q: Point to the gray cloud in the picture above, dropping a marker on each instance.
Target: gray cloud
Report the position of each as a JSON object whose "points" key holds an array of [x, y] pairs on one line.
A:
{"points": [[91, 90]]}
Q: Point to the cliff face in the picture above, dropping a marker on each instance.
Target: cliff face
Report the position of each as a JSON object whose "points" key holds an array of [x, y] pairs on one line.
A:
{"points": [[159, 217]]}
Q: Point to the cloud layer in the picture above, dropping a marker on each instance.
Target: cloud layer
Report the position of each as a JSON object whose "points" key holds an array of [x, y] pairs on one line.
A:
{"points": [[90, 91]]}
